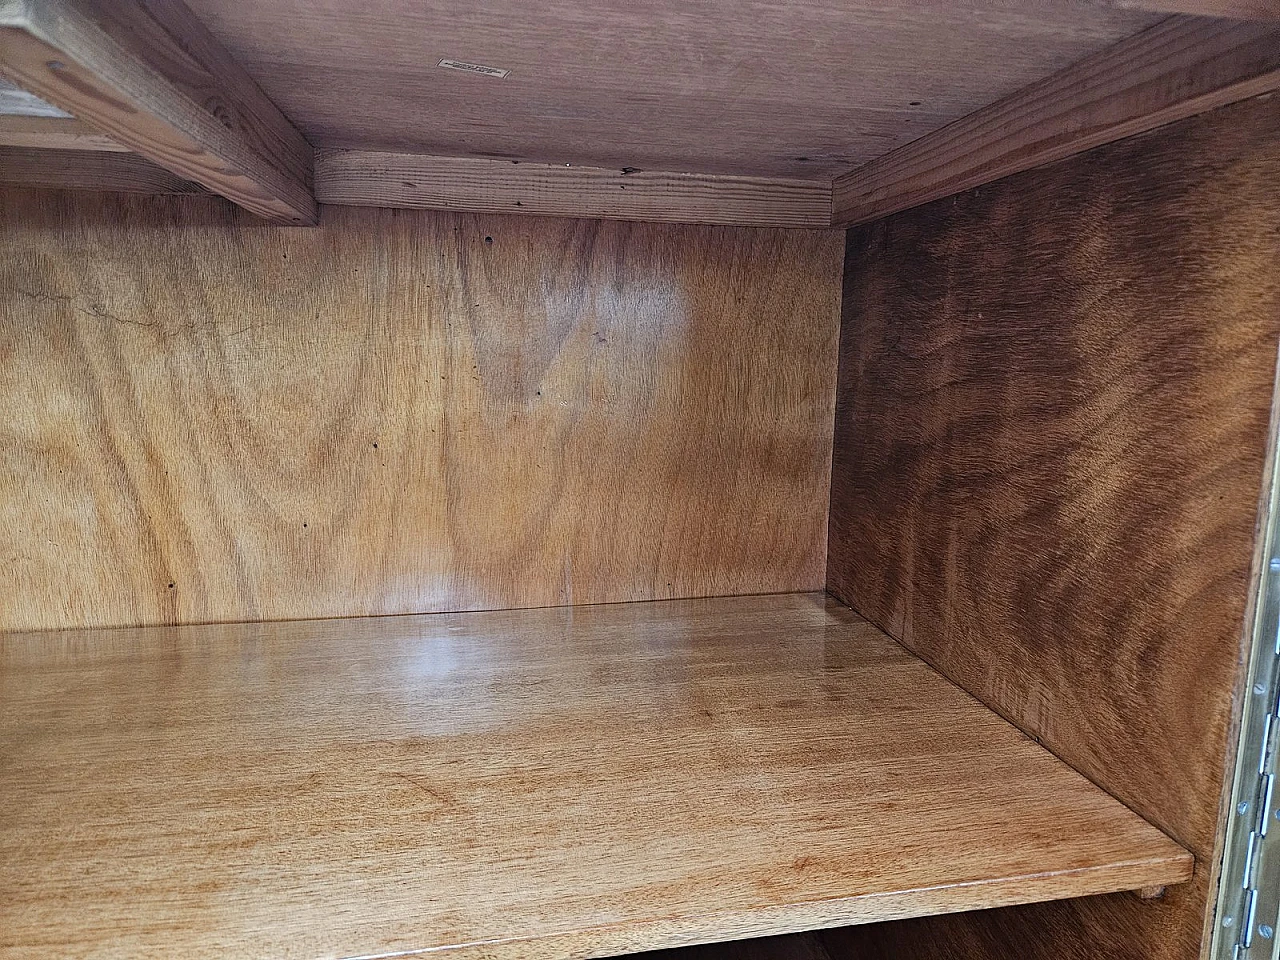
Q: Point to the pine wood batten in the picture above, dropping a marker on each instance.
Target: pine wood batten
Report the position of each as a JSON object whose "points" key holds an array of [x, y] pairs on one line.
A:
{"points": [[90, 169], [365, 178], [150, 76], [54, 133], [1178, 68]]}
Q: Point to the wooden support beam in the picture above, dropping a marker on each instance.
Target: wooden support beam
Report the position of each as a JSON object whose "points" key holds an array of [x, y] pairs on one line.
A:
{"points": [[150, 76], [54, 133], [88, 170], [363, 178], [1179, 67]]}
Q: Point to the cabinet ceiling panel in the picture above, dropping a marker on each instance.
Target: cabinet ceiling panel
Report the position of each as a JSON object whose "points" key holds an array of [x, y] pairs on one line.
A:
{"points": [[738, 86]]}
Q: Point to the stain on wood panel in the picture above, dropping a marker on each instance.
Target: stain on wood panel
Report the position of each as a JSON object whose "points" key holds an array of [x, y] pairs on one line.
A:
{"points": [[1052, 421], [213, 419]]}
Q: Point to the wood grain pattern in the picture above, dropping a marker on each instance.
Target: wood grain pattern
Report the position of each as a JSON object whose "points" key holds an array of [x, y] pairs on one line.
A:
{"points": [[1180, 67], [744, 87], [1052, 421], [54, 133], [504, 186], [87, 170], [149, 75], [212, 419], [1232, 9], [563, 782]]}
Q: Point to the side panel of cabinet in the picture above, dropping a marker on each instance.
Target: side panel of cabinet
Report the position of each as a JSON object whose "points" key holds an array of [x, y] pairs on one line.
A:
{"points": [[210, 419], [1052, 431]]}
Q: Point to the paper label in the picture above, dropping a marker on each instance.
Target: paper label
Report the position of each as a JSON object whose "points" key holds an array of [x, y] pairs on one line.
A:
{"points": [[479, 68]]}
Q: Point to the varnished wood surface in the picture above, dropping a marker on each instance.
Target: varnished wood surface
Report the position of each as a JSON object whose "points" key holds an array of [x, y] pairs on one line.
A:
{"points": [[1052, 420], [87, 170], [53, 133], [748, 87], [502, 186], [207, 418], [562, 782], [148, 74], [1180, 67]]}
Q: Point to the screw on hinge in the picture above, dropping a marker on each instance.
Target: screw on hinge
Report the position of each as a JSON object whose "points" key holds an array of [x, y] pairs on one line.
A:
{"points": [[1228, 921], [1265, 932], [1242, 807]]}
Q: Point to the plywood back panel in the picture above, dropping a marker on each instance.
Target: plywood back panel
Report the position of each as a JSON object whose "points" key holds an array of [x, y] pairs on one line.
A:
{"points": [[1052, 422], [211, 419]]}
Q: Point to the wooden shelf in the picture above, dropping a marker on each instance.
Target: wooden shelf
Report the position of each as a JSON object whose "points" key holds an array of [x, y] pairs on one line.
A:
{"points": [[558, 782]]}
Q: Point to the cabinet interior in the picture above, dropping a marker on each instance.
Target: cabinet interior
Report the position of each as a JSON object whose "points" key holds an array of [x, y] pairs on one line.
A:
{"points": [[758, 481]]}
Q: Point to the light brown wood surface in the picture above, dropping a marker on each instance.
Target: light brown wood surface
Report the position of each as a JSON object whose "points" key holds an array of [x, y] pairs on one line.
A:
{"points": [[87, 170], [750, 87], [54, 133], [148, 74], [562, 782], [1052, 425], [1180, 67], [208, 418], [505, 186]]}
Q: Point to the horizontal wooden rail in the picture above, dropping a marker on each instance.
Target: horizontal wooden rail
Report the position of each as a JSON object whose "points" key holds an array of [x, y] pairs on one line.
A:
{"points": [[1180, 67], [54, 133], [462, 183]]}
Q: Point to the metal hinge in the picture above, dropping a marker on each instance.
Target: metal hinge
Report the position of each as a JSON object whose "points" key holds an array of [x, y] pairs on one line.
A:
{"points": [[1248, 914]]}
